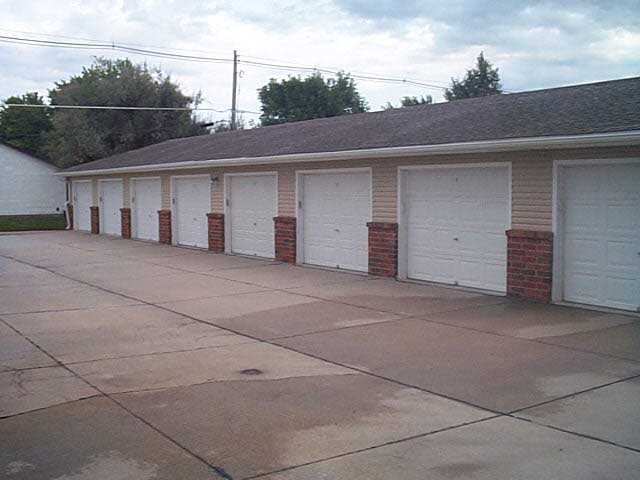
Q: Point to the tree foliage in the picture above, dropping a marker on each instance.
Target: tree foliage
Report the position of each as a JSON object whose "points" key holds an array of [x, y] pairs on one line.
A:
{"points": [[410, 102], [413, 101], [478, 82], [296, 99], [26, 128], [79, 136]]}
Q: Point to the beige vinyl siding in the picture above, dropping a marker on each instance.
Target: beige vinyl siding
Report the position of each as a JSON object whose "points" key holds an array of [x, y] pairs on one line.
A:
{"points": [[217, 191], [126, 191], [532, 194], [385, 184], [165, 192], [286, 192], [532, 181], [95, 194]]}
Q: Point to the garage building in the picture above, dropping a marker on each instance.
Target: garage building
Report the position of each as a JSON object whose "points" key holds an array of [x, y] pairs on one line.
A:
{"points": [[533, 194]]}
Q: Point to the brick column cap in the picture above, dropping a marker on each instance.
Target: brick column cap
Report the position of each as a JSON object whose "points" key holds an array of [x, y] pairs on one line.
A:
{"points": [[215, 215], [520, 233], [125, 209], [285, 219], [383, 225]]}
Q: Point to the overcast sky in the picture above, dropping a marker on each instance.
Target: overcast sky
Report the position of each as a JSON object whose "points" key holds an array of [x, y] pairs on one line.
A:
{"points": [[534, 44]]}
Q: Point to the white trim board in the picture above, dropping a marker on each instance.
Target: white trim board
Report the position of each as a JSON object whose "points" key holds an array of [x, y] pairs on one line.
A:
{"points": [[612, 139]]}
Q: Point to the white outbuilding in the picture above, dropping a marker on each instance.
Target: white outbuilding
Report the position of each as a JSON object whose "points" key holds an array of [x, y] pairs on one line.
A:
{"points": [[28, 185]]}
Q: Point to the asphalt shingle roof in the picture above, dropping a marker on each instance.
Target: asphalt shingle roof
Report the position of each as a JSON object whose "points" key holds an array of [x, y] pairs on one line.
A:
{"points": [[602, 107]]}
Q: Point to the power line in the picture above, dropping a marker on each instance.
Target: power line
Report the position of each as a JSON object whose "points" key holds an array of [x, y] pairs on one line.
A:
{"points": [[93, 40], [110, 46], [371, 77], [107, 107], [197, 58], [332, 69]]}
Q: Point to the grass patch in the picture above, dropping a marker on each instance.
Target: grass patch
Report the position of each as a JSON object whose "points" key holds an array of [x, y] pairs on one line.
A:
{"points": [[21, 223]]}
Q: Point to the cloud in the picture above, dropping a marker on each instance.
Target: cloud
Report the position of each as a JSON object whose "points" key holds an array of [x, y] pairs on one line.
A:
{"points": [[535, 44]]}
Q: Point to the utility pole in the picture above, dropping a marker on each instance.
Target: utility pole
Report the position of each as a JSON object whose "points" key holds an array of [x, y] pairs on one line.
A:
{"points": [[235, 89]]}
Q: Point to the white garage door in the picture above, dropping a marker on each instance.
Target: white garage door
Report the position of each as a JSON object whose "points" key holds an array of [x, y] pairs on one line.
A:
{"points": [[601, 254], [336, 208], [82, 201], [456, 220], [251, 208], [192, 202], [110, 205], [145, 203]]}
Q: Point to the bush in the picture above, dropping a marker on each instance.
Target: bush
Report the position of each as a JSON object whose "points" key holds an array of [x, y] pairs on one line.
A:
{"points": [[19, 223]]}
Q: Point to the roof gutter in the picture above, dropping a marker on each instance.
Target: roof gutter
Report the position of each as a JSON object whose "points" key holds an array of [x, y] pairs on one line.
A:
{"points": [[486, 146]]}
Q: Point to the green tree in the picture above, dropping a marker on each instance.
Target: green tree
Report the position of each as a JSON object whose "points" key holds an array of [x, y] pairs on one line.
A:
{"points": [[26, 128], [79, 136], [221, 126], [296, 99], [410, 102], [478, 82]]}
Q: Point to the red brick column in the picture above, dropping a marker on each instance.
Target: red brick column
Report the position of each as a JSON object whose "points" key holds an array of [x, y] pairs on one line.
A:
{"points": [[70, 213], [164, 225], [285, 231], [125, 221], [95, 219], [383, 249], [529, 264], [216, 232]]}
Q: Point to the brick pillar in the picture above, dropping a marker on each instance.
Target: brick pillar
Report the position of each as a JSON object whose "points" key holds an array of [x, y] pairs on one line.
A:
{"points": [[70, 214], [164, 225], [216, 232], [285, 230], [383, 249], [95, 219], [125, 221], [529, 264]]}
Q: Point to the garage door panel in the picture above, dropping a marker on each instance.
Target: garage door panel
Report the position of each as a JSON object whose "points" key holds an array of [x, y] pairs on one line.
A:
{"points": [[192, 197], [623, 218], [110, 205], [443, 267], [456, 220], [336, 209], [147, 198], [620, 290], [601, 234], [582, 251], [584, 288], [252, 206], [619, 253]]}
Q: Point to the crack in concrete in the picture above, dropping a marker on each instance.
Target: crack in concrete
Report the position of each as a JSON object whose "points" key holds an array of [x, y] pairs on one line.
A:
{"points": [[40, 409], [219, 471], [532, 340], [224, 474], [251, 379], [152, 354], [374, 447], [570, 395]]}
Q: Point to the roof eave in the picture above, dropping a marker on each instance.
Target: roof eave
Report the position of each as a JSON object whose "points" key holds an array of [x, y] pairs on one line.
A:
{"points": [[626, 138]]}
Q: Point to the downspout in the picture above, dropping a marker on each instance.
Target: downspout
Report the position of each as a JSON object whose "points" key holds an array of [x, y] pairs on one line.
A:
{"points": [[66, 205]]}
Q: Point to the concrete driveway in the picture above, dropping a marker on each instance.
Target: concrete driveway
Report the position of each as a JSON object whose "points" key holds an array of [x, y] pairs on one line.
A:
{"points": [[130, 360]]}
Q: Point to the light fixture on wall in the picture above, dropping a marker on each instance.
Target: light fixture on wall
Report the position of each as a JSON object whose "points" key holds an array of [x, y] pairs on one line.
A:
{"points": [[214, 179]]}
